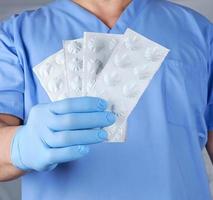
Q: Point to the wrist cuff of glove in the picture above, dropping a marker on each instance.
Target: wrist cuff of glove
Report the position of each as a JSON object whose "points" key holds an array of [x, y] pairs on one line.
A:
{"points": [[15, 152]]}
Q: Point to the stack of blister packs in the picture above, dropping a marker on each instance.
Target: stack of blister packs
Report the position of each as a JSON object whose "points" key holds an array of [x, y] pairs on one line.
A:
{"points": [[115, 67]]}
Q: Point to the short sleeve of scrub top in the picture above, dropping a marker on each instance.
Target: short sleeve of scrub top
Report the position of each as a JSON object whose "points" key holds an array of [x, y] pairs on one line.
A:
{"points": [[11, 74], [209, 111]]}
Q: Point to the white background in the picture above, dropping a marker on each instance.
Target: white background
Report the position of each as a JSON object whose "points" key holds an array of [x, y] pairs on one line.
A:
{"points": [[11, 190]]}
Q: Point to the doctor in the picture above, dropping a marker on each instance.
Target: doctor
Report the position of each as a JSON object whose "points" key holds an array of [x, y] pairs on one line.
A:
{"points": [[58, 147]]}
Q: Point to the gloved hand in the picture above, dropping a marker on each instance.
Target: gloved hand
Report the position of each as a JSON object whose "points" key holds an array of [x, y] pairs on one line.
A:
{"points": [[60, 132]]}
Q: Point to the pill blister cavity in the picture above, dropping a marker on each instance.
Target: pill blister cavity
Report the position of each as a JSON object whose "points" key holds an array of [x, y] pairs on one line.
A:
{"points": [[95, 66], [130, 90], [132, 43], [74, 48], [76, 84], [95, 45], [59, 59], [55, 85], [76, 64], [47, 70], [153, 54], [142, 72], [112, 79], [123, 61]]}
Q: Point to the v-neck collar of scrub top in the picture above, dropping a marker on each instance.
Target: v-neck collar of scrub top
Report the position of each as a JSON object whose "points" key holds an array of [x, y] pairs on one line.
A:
{"points": [[126, 18]]}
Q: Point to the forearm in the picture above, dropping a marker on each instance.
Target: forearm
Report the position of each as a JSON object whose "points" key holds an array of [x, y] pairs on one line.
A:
{"points": [[7, 170], [209, 146], [211, 156], [210, 152]]}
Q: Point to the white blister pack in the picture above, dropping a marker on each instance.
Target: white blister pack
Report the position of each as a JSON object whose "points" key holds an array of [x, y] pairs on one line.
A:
{"points": [[98, 47], [51, 74], [125, 77], [73, 50]]}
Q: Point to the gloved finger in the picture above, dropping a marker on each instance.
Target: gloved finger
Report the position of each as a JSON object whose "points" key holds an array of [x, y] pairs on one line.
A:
{"points": [[76, 121], [78, 104], [62, 155], [77, 137]]}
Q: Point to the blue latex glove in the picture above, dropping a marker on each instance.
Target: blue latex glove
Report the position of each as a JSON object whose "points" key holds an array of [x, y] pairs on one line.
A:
{"points": [[60, 132]]}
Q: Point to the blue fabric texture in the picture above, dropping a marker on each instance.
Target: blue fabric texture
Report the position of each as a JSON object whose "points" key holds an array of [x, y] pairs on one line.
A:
{"points": [[167, 130]]}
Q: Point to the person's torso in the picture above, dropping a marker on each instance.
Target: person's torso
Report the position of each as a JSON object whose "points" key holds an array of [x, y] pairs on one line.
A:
{"points": [[161, 159]]}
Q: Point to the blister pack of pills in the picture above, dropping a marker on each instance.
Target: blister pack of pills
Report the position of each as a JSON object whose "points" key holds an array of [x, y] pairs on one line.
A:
{"points": [[52, 76], [125, 77], [98, 47], [73, 51], [117, 68]]}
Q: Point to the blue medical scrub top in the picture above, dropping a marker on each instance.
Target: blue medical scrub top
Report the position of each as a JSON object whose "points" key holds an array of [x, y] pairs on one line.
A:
{"points": [[167, 130]]}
